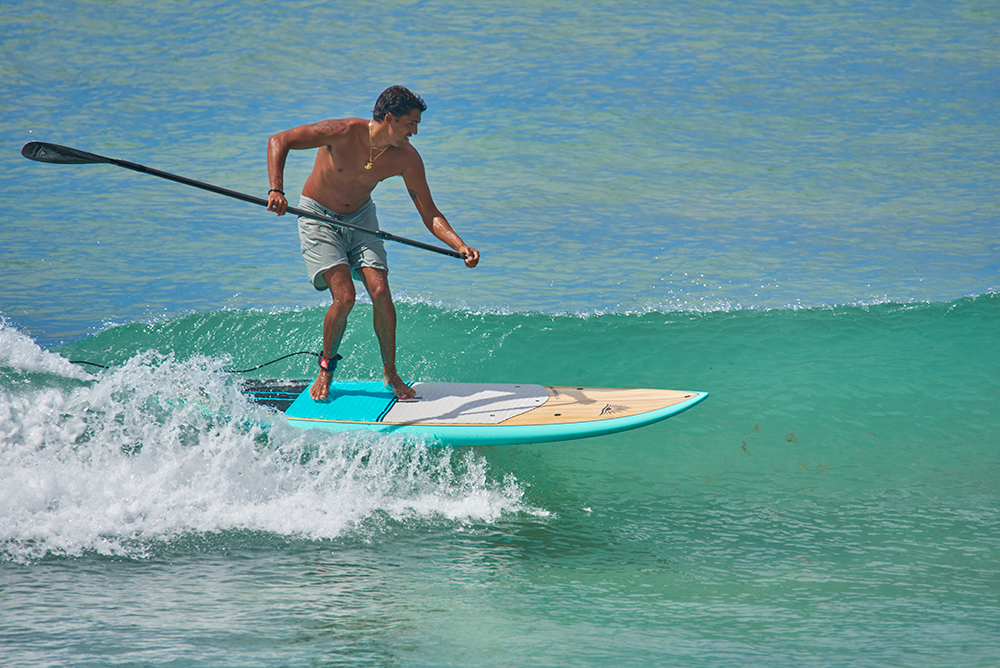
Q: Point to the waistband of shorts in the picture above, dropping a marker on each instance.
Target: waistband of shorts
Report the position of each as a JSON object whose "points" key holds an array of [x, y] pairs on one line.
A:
{"points": [[309, 204]]}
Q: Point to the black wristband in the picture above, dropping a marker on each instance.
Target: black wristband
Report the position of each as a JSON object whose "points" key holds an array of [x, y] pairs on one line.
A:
{"points": [[329, 363], [275, 190]]}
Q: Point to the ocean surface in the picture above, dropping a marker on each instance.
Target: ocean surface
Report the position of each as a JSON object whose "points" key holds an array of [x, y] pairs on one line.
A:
{"points": [[793, 206]]}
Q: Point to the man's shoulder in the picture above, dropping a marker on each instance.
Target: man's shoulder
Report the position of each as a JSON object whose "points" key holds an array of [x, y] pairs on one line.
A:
{"points": [[410, 156], [339, 127]]}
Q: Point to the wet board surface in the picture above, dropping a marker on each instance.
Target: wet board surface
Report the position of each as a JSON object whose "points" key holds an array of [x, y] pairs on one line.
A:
{"points": [[475, 413]]}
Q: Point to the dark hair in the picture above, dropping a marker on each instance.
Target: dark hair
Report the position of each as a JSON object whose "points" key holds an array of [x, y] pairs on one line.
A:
{"points": [[398, 101]]}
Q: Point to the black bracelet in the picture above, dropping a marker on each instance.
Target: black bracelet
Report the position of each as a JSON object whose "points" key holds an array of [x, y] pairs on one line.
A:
{"points": [[275, 190]]}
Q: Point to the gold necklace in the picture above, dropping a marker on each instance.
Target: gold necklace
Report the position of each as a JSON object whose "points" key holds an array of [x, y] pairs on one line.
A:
{"points": [[371, 148]]}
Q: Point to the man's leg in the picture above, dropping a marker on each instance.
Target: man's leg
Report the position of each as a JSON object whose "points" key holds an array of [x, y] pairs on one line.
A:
{"points": [[384, 320], [341, 285]]}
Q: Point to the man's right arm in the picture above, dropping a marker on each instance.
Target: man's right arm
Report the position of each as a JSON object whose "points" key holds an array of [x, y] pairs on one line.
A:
{"points": [[303, 137]]}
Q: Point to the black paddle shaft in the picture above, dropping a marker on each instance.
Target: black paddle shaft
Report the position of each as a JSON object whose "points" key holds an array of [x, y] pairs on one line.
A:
{"points": [[64, 155]]}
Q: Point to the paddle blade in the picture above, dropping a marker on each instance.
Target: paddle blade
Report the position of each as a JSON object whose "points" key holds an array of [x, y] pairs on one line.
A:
{"points": [[41, 151]]}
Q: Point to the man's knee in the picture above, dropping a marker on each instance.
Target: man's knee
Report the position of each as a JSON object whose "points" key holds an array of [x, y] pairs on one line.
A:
{"points": [[380, 294], [377, 284], [343, 301], [341, 285]]}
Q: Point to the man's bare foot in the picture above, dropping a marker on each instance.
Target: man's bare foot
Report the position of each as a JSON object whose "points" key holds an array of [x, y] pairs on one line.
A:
{"points": [[320, 390], [398, 387]]}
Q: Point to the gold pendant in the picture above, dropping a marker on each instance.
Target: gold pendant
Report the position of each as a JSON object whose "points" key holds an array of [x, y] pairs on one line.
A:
{"points": [[368, 165]]}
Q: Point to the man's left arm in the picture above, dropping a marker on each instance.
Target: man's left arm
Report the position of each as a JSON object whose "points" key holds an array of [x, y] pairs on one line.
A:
{"points": [[416, 184]]}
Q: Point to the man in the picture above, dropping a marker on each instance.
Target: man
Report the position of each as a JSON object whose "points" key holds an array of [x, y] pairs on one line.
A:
{"points": [[354, 156]]}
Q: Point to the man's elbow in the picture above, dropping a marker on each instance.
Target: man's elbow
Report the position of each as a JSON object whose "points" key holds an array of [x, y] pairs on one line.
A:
{"points": [[277, 144], [436, 222]]}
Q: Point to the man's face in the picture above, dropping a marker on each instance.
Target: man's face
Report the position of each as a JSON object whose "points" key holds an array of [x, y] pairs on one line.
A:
{"points": [[402, 128]]}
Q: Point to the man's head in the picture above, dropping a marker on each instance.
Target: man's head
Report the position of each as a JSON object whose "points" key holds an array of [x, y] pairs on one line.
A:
{"points": [[398, 101]]}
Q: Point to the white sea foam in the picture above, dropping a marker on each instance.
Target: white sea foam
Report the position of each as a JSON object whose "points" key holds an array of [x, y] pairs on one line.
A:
{"points": [[19, 352], [159, 448]]}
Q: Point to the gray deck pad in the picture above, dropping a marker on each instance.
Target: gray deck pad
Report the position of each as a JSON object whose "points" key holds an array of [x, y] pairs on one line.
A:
{"points": [[466, 403]]}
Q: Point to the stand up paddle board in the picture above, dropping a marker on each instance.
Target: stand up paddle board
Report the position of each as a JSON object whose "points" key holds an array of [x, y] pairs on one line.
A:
{"points": [[459, 414]]}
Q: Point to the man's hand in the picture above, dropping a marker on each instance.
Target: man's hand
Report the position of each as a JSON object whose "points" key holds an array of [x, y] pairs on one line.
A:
{"points": [[471, 256], [276, 202]]}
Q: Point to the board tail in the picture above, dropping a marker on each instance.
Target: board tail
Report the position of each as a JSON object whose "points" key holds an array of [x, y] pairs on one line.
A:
{"points": [[274, 393]]}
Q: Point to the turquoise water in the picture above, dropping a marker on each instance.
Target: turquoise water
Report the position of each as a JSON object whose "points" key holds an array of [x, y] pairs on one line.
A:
{"points": [[790, 206]]}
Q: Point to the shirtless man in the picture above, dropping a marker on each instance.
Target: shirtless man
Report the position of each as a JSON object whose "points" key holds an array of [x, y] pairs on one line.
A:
{"points": [[354, 156]]}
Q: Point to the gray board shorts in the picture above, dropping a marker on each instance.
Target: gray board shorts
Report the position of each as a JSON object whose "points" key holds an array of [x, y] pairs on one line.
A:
{"points": [[325, 245]]}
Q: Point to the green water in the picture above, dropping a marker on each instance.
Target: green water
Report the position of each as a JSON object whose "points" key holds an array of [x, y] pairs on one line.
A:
{"points": [[834, 502]]}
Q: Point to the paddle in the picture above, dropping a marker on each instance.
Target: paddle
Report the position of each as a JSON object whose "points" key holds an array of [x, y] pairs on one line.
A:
{"points": [[64, 155]]}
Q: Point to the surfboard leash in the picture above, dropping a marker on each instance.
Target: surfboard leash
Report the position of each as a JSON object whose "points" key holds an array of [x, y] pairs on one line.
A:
{"points": [[259, 366]]}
